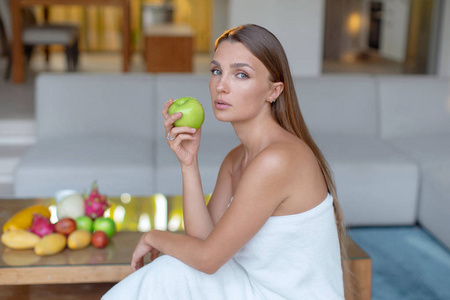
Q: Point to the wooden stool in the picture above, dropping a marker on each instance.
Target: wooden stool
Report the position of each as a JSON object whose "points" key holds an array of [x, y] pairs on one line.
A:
{"points": [[168, 48]]}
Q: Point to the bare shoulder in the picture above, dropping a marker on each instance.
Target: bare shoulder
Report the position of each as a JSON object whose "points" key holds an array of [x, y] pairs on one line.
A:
{"points": [[286, 156], [295, 172], [283, 162]]}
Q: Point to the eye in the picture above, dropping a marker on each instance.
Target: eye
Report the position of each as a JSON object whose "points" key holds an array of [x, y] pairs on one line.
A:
{"points": [[242, 75], [215, 71]]}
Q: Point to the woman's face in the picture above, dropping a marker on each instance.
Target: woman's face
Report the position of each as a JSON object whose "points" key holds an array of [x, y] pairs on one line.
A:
{"points": [[239, 85]]}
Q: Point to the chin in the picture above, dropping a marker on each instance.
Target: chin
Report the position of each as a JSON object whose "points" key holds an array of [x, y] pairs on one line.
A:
{"points": [[220, 116]]}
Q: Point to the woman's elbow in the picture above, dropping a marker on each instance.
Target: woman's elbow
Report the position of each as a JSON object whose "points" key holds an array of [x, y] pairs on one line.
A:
{"points": [[209, 269], [209, 264]]}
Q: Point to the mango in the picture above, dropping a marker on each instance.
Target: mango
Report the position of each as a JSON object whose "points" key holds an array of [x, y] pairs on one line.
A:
{"points": [[20, 239], [51, 244], [79, 239], [23, 218]]}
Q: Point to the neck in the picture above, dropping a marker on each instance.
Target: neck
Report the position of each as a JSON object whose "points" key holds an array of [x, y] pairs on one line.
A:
{"points": [[256, 134]]}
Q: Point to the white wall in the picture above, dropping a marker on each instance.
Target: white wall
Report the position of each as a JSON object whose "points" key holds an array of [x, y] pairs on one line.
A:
{"points": [[298, 24], [365, 25], [443, 66], [220, 19], [394, 29]]}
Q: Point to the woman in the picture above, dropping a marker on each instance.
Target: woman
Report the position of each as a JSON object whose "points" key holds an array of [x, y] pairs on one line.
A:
{"points": [[273, 227]]}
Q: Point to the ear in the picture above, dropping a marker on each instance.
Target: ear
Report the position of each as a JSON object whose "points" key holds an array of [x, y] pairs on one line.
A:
{"points": [[277, 89]]}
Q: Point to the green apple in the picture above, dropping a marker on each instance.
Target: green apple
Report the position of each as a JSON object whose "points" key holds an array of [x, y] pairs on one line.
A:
{"points": [[192, 110], [106, 225], [85, 223]]}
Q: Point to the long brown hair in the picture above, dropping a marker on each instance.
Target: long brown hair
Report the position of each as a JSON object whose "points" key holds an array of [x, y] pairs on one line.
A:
{"points": [[267, 48]]}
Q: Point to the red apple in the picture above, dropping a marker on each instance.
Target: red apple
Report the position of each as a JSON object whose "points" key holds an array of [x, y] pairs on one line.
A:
{"points": [[99, 239], [66, 226]]}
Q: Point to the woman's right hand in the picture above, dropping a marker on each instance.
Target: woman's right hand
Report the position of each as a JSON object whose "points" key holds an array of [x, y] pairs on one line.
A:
{"points": [[186, 140]]}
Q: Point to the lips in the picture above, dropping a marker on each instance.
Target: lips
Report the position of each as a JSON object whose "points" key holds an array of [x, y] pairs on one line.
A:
{"points": [[220, 104]]}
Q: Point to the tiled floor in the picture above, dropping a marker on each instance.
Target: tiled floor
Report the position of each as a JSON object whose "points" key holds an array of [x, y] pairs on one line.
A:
{"points": [[370, 63]]}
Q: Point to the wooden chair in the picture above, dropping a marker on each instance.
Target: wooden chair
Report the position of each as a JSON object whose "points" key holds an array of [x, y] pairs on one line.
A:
{"points": [[40, 34]]}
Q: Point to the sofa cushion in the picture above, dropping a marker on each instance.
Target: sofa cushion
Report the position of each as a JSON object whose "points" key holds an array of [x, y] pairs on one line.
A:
{"points": [[376, 185], [432, 153], [414, 106], [415, 118], [90, 127], [119, 164], [343, 104], [431, 149], [94, 104]]}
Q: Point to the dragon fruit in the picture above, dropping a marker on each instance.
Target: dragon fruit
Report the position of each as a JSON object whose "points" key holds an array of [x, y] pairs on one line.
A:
{"points": [[41, 225], [95, 204]]}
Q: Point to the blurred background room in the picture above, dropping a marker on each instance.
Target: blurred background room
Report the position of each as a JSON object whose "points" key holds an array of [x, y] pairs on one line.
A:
{"points": [[322, 38]]}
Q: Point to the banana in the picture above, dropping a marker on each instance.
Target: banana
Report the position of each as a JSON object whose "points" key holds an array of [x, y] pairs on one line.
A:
{"points": [[23, 218]]}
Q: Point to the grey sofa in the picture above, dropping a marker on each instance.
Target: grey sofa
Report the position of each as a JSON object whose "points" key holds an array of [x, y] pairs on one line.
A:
{"points": [[389, 169], [90, 128], [415, 120], [372, 178]]}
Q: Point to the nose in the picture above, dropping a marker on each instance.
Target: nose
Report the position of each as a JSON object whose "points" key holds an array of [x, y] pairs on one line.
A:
{"points": [[222, 85]]}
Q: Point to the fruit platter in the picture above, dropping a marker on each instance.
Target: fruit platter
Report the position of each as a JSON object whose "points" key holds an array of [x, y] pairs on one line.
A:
{"points": [[131, 214], [80, 224]]}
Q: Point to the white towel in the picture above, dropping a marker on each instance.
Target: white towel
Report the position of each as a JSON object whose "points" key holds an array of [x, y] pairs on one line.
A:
{"points": [[291, 257]]}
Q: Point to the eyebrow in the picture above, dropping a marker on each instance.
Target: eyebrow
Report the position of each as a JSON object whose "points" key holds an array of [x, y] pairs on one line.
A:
{"points": [[234, 66]]}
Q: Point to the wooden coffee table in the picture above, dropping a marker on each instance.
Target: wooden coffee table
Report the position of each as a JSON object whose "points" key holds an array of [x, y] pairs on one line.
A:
{"points": [[111, 264]]}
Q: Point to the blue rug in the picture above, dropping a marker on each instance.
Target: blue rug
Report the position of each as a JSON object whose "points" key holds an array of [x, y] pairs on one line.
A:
{"points": [[407, 263]]}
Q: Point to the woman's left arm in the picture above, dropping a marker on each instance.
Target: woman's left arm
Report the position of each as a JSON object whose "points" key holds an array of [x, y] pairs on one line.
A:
{"points": [[262, 188]]}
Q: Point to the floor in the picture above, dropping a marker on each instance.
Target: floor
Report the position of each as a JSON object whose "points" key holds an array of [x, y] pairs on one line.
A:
{"points": [[369, 62], [407, 263]]}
